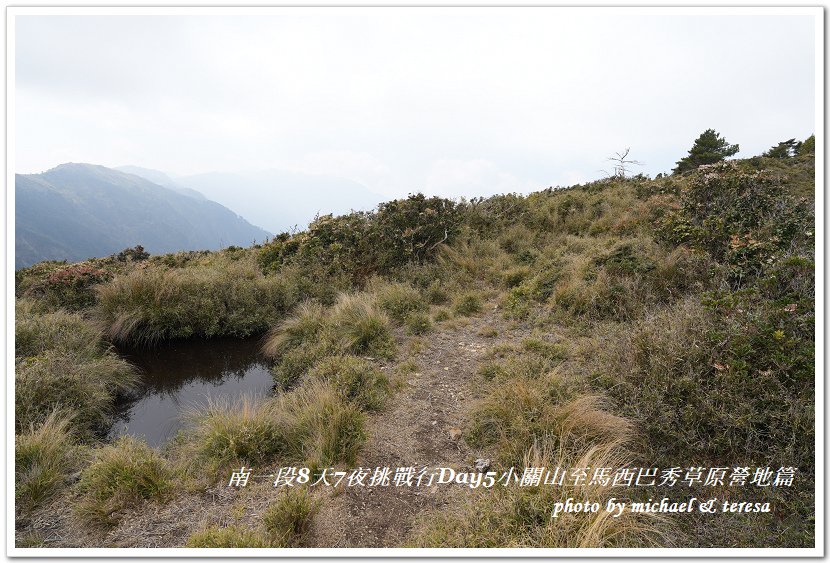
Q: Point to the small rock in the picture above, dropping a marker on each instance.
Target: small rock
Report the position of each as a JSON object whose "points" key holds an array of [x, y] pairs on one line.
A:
{"points": [[434, 422], [482, 465], [455, 433]]}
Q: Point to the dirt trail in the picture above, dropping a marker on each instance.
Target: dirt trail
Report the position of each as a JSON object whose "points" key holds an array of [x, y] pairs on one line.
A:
{"points": [[420, 426]]}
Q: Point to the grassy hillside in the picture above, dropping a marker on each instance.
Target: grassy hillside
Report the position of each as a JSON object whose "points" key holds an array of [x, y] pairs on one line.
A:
{"points": [[659, 322]]}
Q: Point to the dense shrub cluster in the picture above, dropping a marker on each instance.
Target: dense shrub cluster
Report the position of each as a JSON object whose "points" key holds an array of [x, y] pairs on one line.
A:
{"points": [[361, 244], [747, 221], [70, 287]]}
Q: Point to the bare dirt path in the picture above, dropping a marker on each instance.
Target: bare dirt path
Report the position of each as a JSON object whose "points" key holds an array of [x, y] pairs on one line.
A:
{"points": [[421, 426]]}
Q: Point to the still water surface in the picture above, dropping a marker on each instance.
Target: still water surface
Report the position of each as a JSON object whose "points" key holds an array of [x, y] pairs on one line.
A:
{"points": [[179, 376]]}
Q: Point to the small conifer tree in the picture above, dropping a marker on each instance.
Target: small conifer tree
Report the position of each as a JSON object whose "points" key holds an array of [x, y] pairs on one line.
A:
{"points": [[709, 148]]}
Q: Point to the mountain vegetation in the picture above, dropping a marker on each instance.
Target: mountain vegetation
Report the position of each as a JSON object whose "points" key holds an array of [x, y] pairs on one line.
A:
{"points": [[627, 322]]}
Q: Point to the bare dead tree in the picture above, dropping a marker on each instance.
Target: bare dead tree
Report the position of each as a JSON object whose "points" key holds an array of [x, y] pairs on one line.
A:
{"points": [[622, 163]]}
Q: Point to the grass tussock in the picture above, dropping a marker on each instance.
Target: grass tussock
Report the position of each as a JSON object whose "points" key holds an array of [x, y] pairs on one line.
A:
{"points": [[516, 516], [354, 325], [362, 327], [467, 304], [285, 523], [44, 457], [122, 475], [37, 331], [236, 536], [311, 424], [61, 363], [398, 300], [354, 379], [152, 304], [288, 519]]}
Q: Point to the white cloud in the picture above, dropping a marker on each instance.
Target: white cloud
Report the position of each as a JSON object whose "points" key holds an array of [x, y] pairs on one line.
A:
{"points": [[494, 99]]}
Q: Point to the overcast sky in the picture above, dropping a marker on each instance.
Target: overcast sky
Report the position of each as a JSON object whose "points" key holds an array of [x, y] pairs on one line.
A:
{"points": [[452, 102]]}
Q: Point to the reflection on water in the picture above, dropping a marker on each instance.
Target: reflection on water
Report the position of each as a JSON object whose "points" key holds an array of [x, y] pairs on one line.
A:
{"points": [[182, 375]]}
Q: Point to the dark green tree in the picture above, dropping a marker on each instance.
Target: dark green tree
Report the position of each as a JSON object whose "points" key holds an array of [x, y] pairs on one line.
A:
{"points": [[784, 149], [709, 148]]}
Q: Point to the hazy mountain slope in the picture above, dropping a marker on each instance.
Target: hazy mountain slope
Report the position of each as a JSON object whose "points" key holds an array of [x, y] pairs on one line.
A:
{"points": [[160, 178], [279, 200], [76, 211]]}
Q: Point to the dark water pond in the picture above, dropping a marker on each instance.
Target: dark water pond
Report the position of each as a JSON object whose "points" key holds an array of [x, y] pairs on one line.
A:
{"points": [[180, 376]]}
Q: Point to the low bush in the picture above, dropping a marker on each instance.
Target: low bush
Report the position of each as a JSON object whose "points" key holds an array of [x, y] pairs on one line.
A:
{"points": [[59, 285], [684, 373], [362, 244], [745, 220]]}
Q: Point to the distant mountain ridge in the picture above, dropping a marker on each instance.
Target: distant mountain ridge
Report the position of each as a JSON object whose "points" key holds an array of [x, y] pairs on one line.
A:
{"points": [[161, 179], [78, 211]]}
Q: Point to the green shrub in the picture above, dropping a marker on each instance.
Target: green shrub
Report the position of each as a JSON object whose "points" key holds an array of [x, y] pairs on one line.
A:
{"points": [[362, 244], [60, 285], [744, 220], [692, 399], [122, 475]]}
